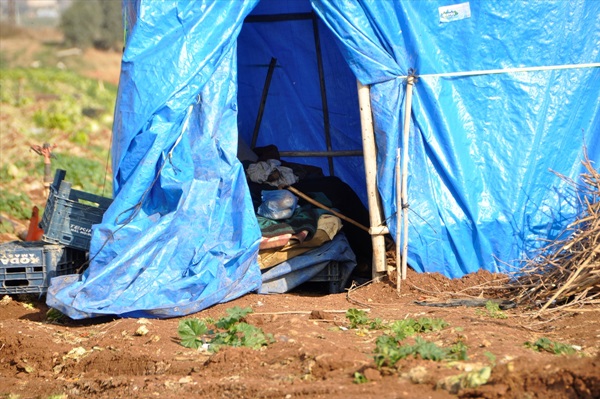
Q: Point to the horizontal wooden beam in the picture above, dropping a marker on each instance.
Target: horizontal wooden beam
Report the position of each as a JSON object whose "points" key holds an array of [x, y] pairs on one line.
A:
{"points": [[350, 153], [299, 16]]}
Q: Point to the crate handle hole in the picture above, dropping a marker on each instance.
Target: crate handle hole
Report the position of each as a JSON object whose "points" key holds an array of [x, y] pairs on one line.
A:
{"points": [[15, 270], [16, 283], [89, 203]]}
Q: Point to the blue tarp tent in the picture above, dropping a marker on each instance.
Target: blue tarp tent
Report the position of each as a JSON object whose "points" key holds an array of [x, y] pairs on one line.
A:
{"points": [[507, 94]]}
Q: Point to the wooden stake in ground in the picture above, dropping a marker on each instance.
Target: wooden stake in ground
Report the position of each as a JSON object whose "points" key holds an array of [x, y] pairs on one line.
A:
{"points": [[407, 112], [377, 229], [398, 207]]}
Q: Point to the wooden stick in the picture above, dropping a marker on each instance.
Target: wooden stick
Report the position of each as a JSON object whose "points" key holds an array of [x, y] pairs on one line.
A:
{"points": [[398, 207], [320, 205], [407, 112], [263, 101], [570, 280], [301, 312], [326, 123], [379, 266], [341, 153]]}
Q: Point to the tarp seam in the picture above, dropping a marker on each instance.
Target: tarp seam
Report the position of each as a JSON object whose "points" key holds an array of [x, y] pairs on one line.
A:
{"points": [[507, 70]]}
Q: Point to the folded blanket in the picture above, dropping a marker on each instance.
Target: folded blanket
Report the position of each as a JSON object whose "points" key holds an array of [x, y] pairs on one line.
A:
{"points": [[327, 228], [305, 218]]}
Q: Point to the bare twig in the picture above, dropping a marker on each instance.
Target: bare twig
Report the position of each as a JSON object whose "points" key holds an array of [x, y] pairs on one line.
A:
{"points": [[565, 274]]}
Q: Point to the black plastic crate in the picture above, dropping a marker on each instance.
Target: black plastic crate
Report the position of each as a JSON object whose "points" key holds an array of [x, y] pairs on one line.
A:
{"points": [[331, 274], [70, 214], [27, 267]]}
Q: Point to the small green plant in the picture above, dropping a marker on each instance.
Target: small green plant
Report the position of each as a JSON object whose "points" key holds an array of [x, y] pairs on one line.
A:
{"points": [[191, 332], [458, 351], [357, 317], [229, 330], [491, 357], [388, 352], [234, 315], [359, 378], [409, 327], [492, 309], [428, 350], [546, 345], [54, 315], [377, 324]]}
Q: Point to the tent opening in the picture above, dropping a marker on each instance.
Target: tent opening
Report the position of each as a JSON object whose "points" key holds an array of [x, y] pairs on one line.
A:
{"points": [[298, 104]]}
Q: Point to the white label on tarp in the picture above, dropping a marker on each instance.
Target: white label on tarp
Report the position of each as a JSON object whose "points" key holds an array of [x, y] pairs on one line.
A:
{"points": [[455, 12]]}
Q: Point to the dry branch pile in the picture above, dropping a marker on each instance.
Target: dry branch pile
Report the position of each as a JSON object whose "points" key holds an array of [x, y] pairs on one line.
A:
{"points": [[565, 275]]}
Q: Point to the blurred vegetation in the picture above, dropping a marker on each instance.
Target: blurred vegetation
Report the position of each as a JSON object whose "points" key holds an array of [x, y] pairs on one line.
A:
{"points": [[96, 23], [61, 108], [8, 29], [85, 174], [17, 205], [22, 86]]}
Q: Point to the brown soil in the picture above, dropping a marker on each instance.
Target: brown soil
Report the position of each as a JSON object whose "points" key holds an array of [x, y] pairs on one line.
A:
{"points": [[315, 354]]}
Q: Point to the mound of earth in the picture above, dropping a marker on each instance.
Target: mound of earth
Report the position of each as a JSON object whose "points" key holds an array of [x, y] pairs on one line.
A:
{"points": [[315, 353]]}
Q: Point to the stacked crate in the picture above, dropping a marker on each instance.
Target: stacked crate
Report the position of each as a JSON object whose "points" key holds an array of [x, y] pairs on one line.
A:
{"points": [[70, 214], [331, 274], [28, 267]]}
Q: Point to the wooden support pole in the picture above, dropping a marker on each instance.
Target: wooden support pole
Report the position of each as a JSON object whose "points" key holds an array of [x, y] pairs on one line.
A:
{"points": [[379, 266], [407, 113], [326, 123], [263, 101], [398, 226]]}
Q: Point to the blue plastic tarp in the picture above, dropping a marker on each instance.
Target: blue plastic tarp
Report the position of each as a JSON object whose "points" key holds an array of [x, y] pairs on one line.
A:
{"points": [[484, 148], [181, 234]]}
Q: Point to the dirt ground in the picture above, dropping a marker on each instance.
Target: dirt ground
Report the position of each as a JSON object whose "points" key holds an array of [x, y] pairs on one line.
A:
{"points": [[315, 353]]}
